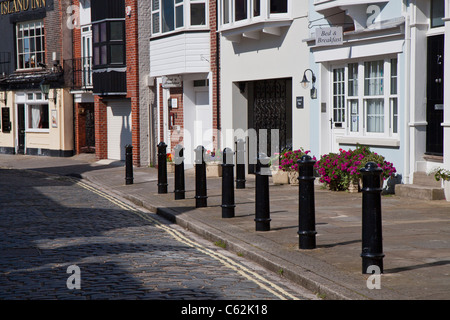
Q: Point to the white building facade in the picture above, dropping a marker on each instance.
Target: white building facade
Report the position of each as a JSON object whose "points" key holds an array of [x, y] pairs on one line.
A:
{"points": [[183, 73], [263, 60], [383, 84]]}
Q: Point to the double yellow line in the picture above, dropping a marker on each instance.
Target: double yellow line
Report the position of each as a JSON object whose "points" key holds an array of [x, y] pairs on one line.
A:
{"points": [[179, 236]]}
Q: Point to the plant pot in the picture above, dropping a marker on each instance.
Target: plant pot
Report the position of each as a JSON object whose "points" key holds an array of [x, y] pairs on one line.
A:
{"points": [[213, 169], [353, 186], [293, 178], [280, 177], [170, 167], [447, 190]]}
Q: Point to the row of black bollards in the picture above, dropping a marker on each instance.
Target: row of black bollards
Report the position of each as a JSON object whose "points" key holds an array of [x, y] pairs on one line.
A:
{"points": [[372, 248]]}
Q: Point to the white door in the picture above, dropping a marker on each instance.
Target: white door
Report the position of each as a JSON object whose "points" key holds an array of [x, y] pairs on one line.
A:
{"points": [[203, 118], [119, 130], [337, 110]]}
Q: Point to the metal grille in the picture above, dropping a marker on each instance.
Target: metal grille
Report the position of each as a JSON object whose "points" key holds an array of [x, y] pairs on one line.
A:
{"points": [[269, 110]]}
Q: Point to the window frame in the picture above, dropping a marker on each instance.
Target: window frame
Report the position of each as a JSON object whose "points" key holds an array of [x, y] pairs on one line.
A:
{"points": [[29, 103], [107, 43], [157, 29], [20, 51], [264, 13], [389, 97]]}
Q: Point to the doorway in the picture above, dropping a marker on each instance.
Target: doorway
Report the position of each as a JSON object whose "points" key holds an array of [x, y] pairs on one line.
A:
{"points": [[435, 95], [21, 129], [270, 107]]}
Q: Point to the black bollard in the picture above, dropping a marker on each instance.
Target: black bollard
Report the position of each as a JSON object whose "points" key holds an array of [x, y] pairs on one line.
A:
{"points": [[200, 178], [306, 206], [228, 204], [372, 242], [240, 164], [262, 207], [179, 173], [128, 164], [162, 167]]}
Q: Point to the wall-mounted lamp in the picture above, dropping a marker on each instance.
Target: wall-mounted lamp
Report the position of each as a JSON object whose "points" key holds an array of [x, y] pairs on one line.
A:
{"points": [[305, 83], [45, 89]]}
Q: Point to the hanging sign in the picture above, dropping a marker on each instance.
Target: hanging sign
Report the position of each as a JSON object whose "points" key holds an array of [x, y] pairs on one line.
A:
{"points": [[330, 36], [171, 82]]}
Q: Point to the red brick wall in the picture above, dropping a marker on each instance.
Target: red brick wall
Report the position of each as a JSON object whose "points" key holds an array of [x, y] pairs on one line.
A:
{"points": [[101, 129], [214, 65], [132, 58], [175, 136]]}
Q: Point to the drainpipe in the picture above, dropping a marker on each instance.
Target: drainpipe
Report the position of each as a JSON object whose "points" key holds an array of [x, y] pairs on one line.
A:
{"points": [[407, 98]]}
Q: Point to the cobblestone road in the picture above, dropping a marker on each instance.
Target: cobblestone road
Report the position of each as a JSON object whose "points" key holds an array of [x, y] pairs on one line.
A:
{"points": [[48, 223]]}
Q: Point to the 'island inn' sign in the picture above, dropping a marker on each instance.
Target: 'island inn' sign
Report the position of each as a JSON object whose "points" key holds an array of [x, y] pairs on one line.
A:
{"points": [[17, 6]]}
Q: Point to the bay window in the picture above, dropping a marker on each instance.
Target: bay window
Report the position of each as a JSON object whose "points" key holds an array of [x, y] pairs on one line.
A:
{"points": [[364, 98], [30, 43], [239, 10], [109, 43], [172, 15]]}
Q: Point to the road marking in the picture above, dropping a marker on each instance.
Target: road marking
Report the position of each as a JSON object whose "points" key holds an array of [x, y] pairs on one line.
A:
{"points": [[230, 263]]}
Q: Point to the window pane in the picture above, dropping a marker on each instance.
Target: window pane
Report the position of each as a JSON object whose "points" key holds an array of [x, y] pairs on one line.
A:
{"points": [[338, 95], [256, 8], [103, 55], [198, 14], [103, 32], [38, 117], [168, 23], [393, 76], [375, 115], [278, 6], [117, 53], [354, 115], [155, 19], [96, 56], [373, 83], [353, 79], [240, 7], [116, 29], [394, 115], [155, 5], [437, 13], [179, 16], [96, 32], [226, 11]]}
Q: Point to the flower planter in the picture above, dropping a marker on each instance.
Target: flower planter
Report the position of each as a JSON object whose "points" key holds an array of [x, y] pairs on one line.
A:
{"points": [[447, 190], [354, 187], [293, 178], [280, 177], [213, 169], [170, 167]]}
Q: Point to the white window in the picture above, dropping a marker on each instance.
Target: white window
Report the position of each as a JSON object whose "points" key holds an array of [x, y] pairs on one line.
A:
{"points": [[364, 98], [30, 41], [37, 112], [173, 15], [238, 11]]}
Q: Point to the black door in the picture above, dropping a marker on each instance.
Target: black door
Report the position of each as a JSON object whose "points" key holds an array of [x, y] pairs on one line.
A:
{"points": [[90, 128], [21, 128], [435, 96], [269, 109]]}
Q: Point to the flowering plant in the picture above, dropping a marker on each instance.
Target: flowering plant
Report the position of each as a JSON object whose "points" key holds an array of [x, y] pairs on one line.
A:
{"points": [[288, 159], [440, 173], [169, 157], [338, 170]]}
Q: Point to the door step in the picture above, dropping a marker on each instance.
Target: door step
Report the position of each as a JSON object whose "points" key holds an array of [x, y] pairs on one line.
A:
{"points": [[424, 187]]}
